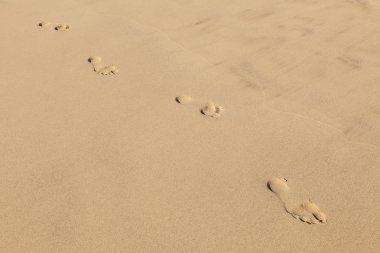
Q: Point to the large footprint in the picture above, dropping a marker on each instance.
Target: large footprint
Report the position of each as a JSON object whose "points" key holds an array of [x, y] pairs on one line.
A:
{"points": [[208, 109], [306, 211], [57, 27], [102, 69]]}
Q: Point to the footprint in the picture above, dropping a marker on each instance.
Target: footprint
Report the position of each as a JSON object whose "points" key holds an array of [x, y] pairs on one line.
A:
{"points": [[184, 99], [44, 24], [306, 211], [57, 27], [62, 27], [101, 69], [212, 110], [208, 109]]}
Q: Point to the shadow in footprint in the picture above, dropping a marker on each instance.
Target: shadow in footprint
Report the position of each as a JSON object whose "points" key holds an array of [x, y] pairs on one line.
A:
{"points": [[184, 99]]}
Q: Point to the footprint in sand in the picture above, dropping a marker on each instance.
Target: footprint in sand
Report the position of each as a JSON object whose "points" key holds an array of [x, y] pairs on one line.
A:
{"points": [[100, 68], [208, 109], [212, 110], [306, 211], [57, 27], [184, 99], [62, 27]]}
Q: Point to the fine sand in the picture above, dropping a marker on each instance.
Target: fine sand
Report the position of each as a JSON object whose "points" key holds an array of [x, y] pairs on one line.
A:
{"points": [[189, 126]]}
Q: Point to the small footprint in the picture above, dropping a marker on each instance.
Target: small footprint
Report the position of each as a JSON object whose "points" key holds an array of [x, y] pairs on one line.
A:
{"points": [[102, 69], [184, 99], [44, 24], [212, 110], [57, 27], [209, 109], [306, 211], [62, 27]]}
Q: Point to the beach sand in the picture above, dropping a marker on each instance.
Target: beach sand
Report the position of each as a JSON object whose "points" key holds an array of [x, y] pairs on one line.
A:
{"points": [[196, 126]]}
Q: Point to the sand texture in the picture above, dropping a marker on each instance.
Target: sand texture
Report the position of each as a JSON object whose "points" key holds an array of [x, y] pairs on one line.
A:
{"points": [[189, 126]]}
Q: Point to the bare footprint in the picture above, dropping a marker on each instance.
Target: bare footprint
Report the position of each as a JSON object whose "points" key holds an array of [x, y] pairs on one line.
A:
{"points": [[184, 99], [57, 27], [44, 24], [306, 211], [100, 68], [212, 110], [208, 109], [62, 27]]}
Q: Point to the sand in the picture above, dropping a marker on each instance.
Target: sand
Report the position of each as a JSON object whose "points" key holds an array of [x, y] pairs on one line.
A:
{"points": [[102, 156]]}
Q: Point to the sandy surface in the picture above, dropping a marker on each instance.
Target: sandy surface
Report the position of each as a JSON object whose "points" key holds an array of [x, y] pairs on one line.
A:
{"points": [[112, 163]]}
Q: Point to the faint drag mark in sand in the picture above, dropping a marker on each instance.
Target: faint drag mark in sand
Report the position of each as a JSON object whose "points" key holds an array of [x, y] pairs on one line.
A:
{"points": [[306, 211], [57, 27], [350, 62], [362, 4], [253, 79], [305, 19], [209, 109], [303, 31], [299, 31], [254, 15], [101, 69], [202, 21], [203, 25]]}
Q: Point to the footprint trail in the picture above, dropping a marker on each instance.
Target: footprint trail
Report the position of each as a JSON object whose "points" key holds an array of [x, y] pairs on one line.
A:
{"points": [[57, 27]]}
